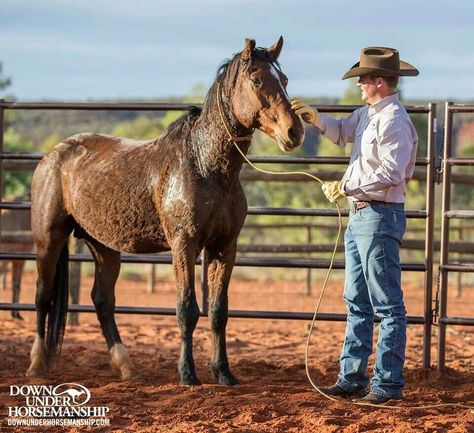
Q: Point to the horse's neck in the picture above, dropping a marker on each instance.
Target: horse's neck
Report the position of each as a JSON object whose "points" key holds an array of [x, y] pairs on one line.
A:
{"points": [[216, 154]]}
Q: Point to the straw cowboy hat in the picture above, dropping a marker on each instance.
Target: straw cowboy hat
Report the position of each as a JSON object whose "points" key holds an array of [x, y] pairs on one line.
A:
{"points": [[381, 62]]}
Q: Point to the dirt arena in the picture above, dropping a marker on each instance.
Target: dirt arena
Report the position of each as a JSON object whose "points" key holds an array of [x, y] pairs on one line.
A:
{"points": [[266, 355]]}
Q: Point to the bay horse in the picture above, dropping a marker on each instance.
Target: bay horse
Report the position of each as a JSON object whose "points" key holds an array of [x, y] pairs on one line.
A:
{"points": [[179, 192]]}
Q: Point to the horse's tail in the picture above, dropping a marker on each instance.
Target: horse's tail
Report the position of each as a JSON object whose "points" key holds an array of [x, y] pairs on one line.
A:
{"points": [[58, 313]]}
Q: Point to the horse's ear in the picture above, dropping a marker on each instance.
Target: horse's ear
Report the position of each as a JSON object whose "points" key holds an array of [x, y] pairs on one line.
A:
{"points": [[248, 50], [275, 49]]}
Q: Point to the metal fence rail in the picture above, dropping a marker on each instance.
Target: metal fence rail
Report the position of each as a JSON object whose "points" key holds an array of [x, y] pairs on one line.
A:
{"points": [[428, 214]]}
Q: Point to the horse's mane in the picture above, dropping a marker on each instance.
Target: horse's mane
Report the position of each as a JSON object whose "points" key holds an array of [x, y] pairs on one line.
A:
{"points": [[227, 70], [181, 124]]}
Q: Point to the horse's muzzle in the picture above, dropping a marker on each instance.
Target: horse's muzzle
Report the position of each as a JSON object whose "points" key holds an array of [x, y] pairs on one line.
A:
{"points": [[293, 140]]}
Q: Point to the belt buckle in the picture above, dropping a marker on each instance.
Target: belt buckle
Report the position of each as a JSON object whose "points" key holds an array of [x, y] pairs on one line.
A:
{"points": [[353, 207]]}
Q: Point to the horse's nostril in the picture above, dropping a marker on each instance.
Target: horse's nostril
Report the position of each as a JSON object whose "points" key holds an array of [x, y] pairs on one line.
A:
{"points": [[292, 135]]}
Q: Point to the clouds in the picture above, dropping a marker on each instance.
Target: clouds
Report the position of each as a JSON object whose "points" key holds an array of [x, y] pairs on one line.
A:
{"points": [[75, 49]]}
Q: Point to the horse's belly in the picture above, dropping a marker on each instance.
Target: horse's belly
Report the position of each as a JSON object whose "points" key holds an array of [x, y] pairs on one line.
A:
{"points": [[126, 223], [121, 234]]}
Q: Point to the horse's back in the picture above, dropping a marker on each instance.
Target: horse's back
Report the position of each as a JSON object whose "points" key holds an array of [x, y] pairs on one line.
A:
{"points": [[105, 184], [79, 144], [76, 157]]}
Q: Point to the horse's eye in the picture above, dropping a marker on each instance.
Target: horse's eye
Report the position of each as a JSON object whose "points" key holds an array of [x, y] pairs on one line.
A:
{"points": [[285, 81], [256, 82]]}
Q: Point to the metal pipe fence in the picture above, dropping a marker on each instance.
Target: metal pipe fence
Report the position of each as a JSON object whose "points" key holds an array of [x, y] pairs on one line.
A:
{"points": [[447, 214], [308, 263]]}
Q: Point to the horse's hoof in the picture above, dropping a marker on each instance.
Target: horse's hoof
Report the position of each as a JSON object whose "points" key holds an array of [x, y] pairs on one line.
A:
{"points": [[133, 378], [190, 381], [34, 372], [228, 380], [224, 376]]}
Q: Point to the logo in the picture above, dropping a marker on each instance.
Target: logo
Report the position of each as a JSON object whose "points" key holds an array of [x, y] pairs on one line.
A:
{"points": [[78, 394], [60, 405]]}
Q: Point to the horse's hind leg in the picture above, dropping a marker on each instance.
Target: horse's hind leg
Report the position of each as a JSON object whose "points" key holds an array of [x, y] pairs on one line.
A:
{"points": [[107, 268], [17, 271], [184, 258], [219, 272], [49, 246]]}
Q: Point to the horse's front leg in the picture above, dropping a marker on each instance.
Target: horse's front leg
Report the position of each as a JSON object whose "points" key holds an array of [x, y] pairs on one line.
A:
{"points": [[220, 268], [184, 257]]}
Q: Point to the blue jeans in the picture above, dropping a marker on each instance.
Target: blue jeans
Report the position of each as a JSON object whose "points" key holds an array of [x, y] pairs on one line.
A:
{"points": [[372, 288]]}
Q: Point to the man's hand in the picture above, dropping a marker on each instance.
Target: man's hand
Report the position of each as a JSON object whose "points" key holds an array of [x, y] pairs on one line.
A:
{"points": [[333, 190], [308, 114]]}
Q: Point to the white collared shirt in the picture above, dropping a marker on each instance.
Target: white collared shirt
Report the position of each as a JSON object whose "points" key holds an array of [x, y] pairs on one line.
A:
{"points": [[384, 152]]}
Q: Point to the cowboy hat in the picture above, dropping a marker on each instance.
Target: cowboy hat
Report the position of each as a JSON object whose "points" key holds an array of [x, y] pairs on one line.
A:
{"points": [[381, 62]]}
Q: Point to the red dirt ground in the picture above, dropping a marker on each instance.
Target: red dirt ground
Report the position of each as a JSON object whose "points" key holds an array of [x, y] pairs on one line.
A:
{"points": [[266, 355]]}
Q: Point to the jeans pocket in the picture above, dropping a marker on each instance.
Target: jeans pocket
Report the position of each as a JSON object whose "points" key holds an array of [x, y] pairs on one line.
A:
{"points": [[370, 214]]}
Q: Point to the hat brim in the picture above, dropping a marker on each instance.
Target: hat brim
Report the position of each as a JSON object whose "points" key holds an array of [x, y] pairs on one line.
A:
{"points": [[406, 70]]}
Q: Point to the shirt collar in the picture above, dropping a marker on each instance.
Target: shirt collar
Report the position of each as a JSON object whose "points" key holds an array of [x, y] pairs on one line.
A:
{"points": [[379, 106]]}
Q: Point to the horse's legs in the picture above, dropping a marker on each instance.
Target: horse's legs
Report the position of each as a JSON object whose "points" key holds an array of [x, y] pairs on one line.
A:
{"points": [[49, 247], [3, 272], [107, 268], [17, 271], [184, 257], [219, 272]]}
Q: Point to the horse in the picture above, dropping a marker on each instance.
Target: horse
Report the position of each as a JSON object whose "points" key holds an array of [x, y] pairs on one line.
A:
{"points": [[178, 192]]}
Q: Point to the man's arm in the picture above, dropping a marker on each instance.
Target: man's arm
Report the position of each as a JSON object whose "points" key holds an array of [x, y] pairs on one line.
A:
{"points": [[339, 131]]}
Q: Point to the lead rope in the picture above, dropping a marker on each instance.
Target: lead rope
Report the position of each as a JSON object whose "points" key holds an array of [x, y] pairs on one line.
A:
{"points": [[326, 279]]}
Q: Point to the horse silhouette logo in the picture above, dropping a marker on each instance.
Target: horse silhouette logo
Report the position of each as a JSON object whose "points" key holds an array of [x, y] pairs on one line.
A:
{"points": [[79, 394]]}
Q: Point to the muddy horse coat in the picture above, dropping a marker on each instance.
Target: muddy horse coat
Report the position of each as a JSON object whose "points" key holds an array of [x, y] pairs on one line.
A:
{"points": [[180, 192]]}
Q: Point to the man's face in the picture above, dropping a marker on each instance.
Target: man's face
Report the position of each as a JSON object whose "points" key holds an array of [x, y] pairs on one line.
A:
{"points": [[368, 87]]}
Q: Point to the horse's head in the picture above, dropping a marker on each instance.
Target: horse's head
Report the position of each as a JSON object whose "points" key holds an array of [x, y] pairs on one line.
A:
{"points": [[259, 99]]}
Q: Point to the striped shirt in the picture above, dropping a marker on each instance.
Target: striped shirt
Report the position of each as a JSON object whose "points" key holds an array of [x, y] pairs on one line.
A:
{"points": [[384, 152]]}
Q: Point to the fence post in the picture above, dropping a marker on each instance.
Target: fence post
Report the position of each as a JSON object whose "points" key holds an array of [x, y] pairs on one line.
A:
{"points": [[152, 278], [204, 282], [460, 257], [308, 275], [429, 233], [77, 245], [2, 125], [443, 257]]}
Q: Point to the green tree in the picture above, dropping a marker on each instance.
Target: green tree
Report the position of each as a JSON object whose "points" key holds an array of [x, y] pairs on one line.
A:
{"points": [[141, 128], [351, 95], [144, 128], [462, 197], [4, 81], [49, 142], [197, 96], [16, 184]]}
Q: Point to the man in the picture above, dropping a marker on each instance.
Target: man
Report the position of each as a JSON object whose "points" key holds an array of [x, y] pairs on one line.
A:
{"points": [[382, 162]]}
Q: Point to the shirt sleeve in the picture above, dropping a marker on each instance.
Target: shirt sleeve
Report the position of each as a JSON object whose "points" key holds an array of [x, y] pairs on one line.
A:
{"points": [[394, 146], [339, 131]]}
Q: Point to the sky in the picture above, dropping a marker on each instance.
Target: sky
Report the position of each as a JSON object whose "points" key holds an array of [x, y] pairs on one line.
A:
{"points": [[115, 49]]}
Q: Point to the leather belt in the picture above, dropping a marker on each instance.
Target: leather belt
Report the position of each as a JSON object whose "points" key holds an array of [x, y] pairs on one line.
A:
{"points": [[357, 205]]}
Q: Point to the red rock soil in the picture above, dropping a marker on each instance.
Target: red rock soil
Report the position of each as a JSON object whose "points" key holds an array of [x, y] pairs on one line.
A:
{"points": [[266, 355]]}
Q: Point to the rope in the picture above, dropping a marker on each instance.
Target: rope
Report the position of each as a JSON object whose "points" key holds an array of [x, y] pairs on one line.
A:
{"points": [[323, 288]]}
